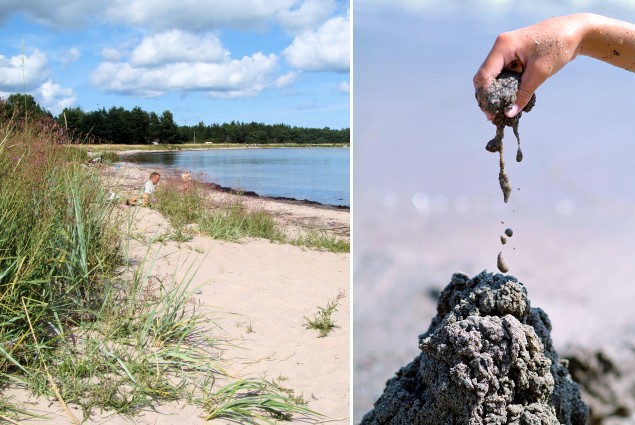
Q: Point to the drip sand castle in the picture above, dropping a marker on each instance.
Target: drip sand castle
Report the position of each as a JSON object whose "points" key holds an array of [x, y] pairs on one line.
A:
{"points": [[487, 358]]}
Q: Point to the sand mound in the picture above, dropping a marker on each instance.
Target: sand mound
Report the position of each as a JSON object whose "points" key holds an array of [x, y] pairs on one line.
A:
{"points": [[487, 358]]}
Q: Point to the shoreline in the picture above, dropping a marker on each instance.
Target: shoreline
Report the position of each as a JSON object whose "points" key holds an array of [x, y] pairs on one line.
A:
{"points": [[249, 193], [127, 150], [128, 178]]}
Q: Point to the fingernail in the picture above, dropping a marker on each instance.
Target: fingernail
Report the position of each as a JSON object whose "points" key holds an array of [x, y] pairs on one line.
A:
{"points": [[511, 113]]}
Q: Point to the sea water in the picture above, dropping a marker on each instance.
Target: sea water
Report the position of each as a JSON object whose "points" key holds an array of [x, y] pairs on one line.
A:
{"points": [[314, 174]]}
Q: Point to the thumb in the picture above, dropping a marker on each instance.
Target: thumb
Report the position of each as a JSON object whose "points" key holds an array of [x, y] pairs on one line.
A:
{"points": [[530, 80]]}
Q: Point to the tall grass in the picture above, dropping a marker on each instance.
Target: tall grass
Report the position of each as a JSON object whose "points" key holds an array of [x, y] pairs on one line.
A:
{"points": [[55, 240], [78, 323]]}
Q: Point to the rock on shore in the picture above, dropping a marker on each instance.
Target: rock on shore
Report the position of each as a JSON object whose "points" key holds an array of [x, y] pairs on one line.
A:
{"points": [[487, 358]]}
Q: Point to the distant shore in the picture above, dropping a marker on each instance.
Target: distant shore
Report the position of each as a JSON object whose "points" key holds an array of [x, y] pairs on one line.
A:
{"points": [[125, 150]]}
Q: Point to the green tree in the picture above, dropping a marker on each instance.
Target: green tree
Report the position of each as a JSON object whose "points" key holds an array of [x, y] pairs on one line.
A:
{"points": [[25, 106], [169, 130]]}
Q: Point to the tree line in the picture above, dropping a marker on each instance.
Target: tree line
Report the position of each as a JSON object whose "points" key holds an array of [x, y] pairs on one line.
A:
{"points": [[137, 126]]}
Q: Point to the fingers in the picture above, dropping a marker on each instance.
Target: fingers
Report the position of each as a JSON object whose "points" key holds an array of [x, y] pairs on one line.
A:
{"points": [[491, 67], [503, 52], [531, 79]]}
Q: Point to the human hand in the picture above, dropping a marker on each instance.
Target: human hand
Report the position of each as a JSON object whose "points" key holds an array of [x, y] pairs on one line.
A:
{"points": [[538, 52]]}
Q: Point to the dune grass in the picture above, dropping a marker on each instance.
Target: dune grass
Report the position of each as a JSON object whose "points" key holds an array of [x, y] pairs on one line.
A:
{"points": [[186, 204], [78, 323]]}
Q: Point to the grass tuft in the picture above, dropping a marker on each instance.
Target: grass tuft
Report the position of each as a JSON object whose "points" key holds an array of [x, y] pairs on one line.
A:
{"points": [[109, 157], [322, 321], [254, 401], [323, 241]]}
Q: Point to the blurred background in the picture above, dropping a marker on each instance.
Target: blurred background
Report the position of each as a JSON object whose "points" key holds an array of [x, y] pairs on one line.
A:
{"points": [[427, 201]]}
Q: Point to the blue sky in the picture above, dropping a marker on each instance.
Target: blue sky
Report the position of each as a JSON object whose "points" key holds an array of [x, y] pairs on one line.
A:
{"points": [[212, 61]]}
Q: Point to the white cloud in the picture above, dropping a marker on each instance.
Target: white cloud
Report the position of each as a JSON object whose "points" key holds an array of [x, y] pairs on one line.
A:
{"points": [[231, 78], [189, 15], [23, 73], [344, 87], [308, 15], [59, 13], [326, 49], [73, 55], [54, 97], [196, 15], [286, 80], [111, 55], [177, 46]]}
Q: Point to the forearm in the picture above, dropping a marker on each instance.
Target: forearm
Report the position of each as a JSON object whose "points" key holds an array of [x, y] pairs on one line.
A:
{"points": [[609, 40]]}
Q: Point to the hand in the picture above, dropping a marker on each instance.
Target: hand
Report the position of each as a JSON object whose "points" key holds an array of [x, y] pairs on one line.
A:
{"points": [[538, 52]]}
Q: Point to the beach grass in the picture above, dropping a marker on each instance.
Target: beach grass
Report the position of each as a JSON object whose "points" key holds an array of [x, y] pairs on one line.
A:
{"points": [[189, 204], [322, 321], [321, 240], [79, 324], [255, 401], [109, 157]]}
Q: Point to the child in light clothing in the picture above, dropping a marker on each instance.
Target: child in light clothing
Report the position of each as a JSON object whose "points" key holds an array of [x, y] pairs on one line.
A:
{"points": [[148, 189]]}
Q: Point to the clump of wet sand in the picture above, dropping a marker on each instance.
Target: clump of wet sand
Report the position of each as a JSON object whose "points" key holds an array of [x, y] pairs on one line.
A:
{"points": [[487, 358], [498, 98]]}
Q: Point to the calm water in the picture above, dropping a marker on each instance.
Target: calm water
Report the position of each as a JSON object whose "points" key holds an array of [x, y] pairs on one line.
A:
{"points": [[320, 174]]}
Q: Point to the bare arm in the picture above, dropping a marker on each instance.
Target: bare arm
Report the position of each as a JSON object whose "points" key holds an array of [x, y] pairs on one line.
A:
{"points": [[541, 50]]}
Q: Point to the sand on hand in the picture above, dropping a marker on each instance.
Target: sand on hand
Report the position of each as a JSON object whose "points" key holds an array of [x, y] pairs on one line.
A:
{"points": [[487, 358]]}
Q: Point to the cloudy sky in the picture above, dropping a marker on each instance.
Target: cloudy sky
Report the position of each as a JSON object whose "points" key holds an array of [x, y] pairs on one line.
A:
{"points": [[213, 61]]}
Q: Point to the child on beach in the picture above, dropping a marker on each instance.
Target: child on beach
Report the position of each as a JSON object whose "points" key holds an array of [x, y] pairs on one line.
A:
{"points": [[148, 189], [541, 50]]}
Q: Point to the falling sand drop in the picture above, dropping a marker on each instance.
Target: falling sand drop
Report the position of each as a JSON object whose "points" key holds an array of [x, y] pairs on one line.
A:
{"points": [[503, 239], [503, 180], [509, 232], [499, 97], [500, 263]]}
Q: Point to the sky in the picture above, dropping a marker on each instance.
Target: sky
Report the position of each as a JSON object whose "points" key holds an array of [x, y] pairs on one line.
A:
{"points": [[274, 61]]}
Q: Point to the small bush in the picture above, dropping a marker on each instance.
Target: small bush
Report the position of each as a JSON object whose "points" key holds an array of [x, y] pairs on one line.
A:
{"points": [[109, 157]]}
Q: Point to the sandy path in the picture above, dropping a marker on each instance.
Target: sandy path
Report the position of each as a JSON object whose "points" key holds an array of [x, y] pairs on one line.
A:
{"points": [[258, 285]]}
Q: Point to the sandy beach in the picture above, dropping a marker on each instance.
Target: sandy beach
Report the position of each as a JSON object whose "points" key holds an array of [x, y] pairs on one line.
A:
{"points": [[256, 293]]}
